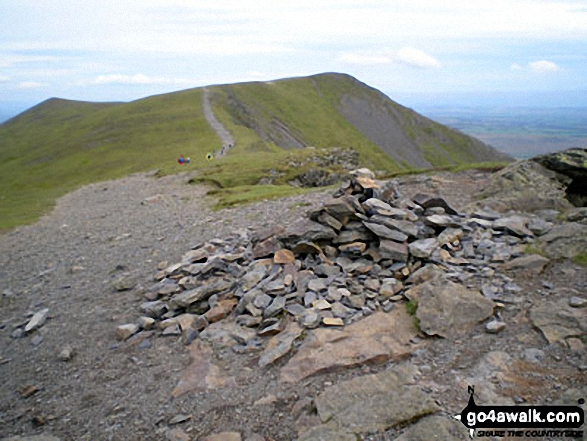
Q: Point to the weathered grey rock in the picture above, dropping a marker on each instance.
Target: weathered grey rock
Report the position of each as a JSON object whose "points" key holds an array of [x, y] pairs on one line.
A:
{"points": [[225, 334], [154, 309], [539, 226], [353, 248], [386, 233], [311, 319], [374, 403], [429, 201], [558, 321], [295, 309], [37, 320], [18, 333], [304, 230], [532, 262], [525, 186], [393, 250], [578, 214], [442, 220], [577, 302], [280, 345], [342, 209], [275, 307], [146, 322], [494, 327], [423, 248], [449, 235], [390, 287], [565, 241], [378, 338], [325, 219], [203, 292], [434, 427], [123, 332], [448, 309], [377, 206], [514, 225], [124, 283], [317, 285], [252, 278], [271, 326], [341, 311]]}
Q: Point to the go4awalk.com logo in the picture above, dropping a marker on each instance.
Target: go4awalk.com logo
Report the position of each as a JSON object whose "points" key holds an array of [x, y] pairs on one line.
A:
{"points": [[522, 421]]}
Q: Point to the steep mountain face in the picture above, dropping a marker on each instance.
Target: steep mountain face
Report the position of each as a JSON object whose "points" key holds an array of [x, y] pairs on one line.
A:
{"points": [[337, 110]]}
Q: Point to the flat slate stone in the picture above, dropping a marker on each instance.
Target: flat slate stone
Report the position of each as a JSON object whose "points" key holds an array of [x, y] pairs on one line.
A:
{"points": [[375, 403], [376, 339], [386, 233], [448, 309], [559, 321]]}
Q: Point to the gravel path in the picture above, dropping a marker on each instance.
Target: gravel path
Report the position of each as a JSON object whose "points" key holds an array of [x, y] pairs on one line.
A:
{"points": [[67, 262], [223, 133]]}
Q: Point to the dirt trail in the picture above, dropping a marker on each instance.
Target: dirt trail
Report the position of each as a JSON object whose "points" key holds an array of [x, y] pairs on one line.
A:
{"points": [[223, 133]]}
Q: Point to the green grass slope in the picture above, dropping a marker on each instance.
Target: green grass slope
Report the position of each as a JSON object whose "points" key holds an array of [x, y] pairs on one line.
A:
{"points": [[60, 145]]}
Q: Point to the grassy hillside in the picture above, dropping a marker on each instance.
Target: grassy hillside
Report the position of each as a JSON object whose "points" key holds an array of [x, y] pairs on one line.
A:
{"points": [[60, 145]]}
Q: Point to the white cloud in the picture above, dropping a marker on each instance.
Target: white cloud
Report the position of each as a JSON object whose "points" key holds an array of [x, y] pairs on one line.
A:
{"points": [[4, 79], [544, 66], [366, 60], [416, 58], [29, 85], [407, 55], [137, 79], [9, 60], [515, 67]]}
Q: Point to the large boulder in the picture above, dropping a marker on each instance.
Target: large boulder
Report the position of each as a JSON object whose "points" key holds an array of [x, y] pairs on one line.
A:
{"points": [[571, 163], [556, 180]]}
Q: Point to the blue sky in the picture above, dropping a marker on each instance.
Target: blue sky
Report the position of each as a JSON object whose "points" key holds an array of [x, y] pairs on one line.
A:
{"points": [[419, 52]]}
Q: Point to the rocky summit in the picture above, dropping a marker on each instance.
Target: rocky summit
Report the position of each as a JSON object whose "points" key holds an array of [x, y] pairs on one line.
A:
{"points": [[365, 250], [367, 278], [364, 312]]}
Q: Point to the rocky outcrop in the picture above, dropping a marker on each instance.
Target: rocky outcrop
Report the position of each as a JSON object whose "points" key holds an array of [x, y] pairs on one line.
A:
{"points": [[553, 181], [572, 164], [374, 403]]}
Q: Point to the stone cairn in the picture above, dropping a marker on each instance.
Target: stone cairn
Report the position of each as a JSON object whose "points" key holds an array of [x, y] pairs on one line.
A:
{"points": [[360, 252]]}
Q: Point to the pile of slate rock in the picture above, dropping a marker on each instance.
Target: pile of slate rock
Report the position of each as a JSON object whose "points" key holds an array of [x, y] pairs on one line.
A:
{"points": [[360, 252]]}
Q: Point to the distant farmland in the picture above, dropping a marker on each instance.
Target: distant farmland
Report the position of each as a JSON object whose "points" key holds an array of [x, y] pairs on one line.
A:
{"points": [[520, 132]]}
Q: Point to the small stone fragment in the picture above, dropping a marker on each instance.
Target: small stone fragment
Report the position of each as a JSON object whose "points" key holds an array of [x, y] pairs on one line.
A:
{"points": [[124, 284], [123, 332], [284, 256], [577, 302], [37, 320], [181, 418], [146, 323], [494, 327], [311, 319], [66, 354], [333, 321]]}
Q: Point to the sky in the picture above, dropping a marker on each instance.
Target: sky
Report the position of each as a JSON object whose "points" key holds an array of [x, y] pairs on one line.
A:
{"points": [[418, 52]]}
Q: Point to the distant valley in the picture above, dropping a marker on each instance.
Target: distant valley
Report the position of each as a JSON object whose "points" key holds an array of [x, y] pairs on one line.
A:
{"points": [[519, 132]]}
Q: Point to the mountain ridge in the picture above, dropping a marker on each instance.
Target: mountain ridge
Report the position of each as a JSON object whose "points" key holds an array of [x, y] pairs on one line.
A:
{"points": [[61, 144]]}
